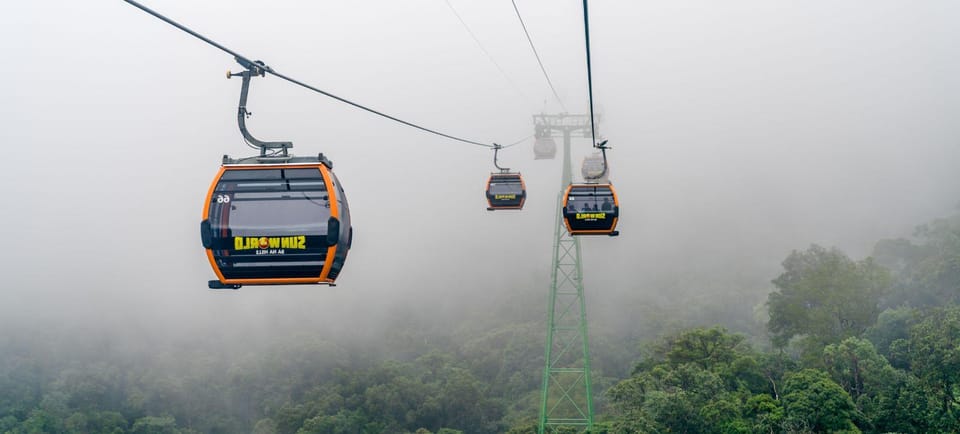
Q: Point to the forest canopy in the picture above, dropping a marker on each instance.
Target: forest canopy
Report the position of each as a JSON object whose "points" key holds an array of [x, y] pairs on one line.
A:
{"points": [[852, 345]]}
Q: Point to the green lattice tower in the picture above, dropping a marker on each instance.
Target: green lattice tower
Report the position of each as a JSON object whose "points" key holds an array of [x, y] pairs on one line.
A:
{"points": [[566, 397]]}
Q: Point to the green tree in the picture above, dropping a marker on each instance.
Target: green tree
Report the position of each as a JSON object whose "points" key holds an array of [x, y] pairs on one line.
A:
{"points": [[825, 296], [344, 422], [934, 355], [42, 421], [699, 380], [856, 366], [155, 425], [811, 399], [101, 422], [524, 428], [21, 384], [927, 268], [892, 325], [265, 426], [764, 413], [107, 422], [889, 399], [707, 347], [7, 423]]}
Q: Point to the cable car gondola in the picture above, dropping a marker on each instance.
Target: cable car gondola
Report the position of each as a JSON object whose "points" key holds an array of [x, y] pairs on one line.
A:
{"points": [[274, 219], [591, 209], [267, 223], [505, 191], [593, 169], [544, 148]]}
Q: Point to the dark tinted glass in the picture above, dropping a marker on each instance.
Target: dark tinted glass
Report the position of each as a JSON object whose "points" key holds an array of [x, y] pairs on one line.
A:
{"points": [[506, 188], [592, 198], [258, 174], [505, 185], [270, 202]]}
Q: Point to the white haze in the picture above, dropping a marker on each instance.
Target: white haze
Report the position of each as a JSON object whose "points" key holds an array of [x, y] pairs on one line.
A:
{"points": [[741, 130]]}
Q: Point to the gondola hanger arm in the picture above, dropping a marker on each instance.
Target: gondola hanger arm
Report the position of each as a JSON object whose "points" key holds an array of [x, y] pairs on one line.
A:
{"points": [[253, 69], [496, 150]]}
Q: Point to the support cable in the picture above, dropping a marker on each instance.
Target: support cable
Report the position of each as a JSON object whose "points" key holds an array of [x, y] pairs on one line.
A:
{"points": [[246, 63], [487, 53], [517, 142], [602, 146], [586, 31], [555, 95], [395, 119]]}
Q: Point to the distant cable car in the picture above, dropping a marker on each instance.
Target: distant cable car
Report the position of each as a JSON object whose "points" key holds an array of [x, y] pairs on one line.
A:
{"points": [[594, 169], [591, 209], [544, 148], [505, 191], [276, 223]]}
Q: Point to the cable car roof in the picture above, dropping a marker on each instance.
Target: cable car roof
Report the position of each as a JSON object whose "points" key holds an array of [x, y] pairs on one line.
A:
{"points": [[277, 160]]}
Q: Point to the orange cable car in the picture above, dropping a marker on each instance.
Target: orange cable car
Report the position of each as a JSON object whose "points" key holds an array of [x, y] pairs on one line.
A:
{"points": [[591, 209], [274, 219], [505, 191], [276, 223]]}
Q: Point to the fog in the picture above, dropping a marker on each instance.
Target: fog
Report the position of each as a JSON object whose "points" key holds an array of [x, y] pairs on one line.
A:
{"points": [[741, 130]]}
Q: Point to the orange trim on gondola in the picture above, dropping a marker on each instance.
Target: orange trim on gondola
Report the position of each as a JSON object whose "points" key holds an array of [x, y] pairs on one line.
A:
{"points": [[566, 198], [523, 187], [334, 212], [487, 190], [213, 185], [613, 224], [206, 215]]}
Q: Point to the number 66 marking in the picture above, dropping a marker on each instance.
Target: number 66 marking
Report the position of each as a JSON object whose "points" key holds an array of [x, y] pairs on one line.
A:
{"points": [[222, 198]]}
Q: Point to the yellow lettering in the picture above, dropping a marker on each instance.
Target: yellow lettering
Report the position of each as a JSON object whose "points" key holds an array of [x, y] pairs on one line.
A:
{"points": [[248, 243], [591, 216]]}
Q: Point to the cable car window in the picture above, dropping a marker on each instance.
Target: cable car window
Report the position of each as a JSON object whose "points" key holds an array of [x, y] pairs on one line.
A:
{"points": [[270, 202], [301, 174], [590, 202], [275, 213], [502, 187], [251, 175]]}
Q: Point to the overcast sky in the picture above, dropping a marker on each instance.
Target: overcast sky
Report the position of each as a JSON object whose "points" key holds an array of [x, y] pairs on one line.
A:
{"points": [[741, 130]]}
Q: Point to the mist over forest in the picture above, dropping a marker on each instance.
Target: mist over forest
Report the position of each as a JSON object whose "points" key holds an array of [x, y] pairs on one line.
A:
{"points": [[774, 161]]}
